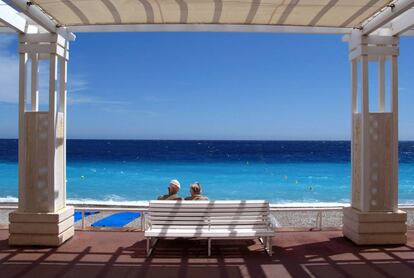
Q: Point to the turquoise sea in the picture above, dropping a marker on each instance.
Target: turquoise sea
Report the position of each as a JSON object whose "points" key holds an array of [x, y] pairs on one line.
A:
{"points": [[283, 172]]}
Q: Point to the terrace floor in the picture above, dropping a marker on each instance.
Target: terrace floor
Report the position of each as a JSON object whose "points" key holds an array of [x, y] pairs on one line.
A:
{"points": [[122, 254]]}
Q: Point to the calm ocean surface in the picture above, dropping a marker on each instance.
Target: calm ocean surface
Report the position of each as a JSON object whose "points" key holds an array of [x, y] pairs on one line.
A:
{"points": [[284, 172]]}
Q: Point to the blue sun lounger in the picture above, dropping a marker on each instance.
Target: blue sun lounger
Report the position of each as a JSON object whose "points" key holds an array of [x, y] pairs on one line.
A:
{"points": [[119, 219]]}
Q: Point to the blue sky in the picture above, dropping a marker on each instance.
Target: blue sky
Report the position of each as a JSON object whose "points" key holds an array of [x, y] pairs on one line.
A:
{"points": [[206, 86]]}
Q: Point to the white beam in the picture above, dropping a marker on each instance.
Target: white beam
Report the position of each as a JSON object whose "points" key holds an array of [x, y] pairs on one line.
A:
{"points": [[11, 18], [389, 13], [403, 23], [52, 116], [208, 28], [22, 128], [365, 133], [34, 99], [37, 15], [394, 107]]}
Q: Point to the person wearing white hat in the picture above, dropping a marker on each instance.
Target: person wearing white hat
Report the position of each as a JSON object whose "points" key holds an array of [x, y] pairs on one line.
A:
{"points": [[173, 189]]}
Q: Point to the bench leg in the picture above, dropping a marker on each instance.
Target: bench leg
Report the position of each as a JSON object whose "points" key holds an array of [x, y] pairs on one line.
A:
{"points": [[269, 246], [209, 247], [150, 245]]}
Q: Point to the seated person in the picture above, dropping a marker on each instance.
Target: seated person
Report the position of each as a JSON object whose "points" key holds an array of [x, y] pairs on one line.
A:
{"points": [[173, 189], [195, 190]]}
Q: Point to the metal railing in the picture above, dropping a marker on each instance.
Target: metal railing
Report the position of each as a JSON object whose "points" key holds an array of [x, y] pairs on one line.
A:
{"points": [[320, 212], [141, 210]]}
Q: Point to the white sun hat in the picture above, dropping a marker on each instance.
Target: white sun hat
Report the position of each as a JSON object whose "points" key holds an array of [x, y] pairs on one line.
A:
{"points": [[176, 183]]}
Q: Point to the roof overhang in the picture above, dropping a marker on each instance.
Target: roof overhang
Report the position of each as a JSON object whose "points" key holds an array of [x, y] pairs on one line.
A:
{"points": [[208, 28], [274, 16], [37, 16]]}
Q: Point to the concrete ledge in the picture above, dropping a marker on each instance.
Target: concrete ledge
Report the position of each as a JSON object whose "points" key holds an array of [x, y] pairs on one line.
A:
{"points": [[41, 217], [375, 227], [365, 228], [359, 216], [43, 229], [41, 240]]}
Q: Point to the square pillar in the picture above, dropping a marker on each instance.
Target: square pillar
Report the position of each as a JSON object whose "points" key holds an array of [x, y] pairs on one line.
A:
{"points": [[42, 217], [374, 217]]}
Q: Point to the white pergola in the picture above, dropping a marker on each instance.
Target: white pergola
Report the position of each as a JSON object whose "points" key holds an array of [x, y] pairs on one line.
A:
{"points": [[371, 28]]}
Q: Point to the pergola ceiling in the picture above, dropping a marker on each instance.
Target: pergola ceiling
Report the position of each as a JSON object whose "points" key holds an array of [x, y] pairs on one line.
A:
{"points": [[323, 13]]}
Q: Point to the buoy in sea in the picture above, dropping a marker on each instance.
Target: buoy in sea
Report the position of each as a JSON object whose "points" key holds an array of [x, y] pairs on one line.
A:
{"points": [[82, 177]]}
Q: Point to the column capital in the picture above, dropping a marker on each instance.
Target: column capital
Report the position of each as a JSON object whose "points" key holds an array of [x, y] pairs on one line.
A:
{"points": [[373, 46], [44, 44]]}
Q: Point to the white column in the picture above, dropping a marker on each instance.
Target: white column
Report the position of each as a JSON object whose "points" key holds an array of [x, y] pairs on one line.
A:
{"points": [[373, 217], [52, 131], [62, 109], [42, 217], [22, 128], [364, 133], [394, 105]]}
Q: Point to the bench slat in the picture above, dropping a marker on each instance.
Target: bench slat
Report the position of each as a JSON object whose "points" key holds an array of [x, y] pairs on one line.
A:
{"points": [[176, 209], [190, 218], [208, 233], [209, 203], [216, 222], [211, 228], [200, 214]]}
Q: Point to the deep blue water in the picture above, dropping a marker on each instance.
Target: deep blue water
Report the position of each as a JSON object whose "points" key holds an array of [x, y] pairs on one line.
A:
{"points": [[283, 172]]}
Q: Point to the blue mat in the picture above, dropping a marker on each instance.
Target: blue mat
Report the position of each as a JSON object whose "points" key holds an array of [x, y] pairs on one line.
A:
{"points": [[119, 219], [78, 214]]}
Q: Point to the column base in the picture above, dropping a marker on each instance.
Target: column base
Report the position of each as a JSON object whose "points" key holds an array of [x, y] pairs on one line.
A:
{"points": [[41, 229], [377, 228]]}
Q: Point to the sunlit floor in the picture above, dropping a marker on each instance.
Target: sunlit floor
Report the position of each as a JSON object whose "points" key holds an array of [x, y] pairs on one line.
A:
{"points": [[122, 254]]}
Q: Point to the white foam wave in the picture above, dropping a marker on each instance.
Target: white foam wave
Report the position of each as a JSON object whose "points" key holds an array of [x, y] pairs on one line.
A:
{"points": [[118, 201], [8, 199], [115, 202]]}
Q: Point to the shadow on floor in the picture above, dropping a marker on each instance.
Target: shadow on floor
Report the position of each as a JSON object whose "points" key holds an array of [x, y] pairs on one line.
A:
{"points": [[298, 254]]}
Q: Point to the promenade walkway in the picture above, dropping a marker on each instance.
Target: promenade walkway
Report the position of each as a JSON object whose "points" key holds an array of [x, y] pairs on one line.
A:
{"points": [[122, 254]]}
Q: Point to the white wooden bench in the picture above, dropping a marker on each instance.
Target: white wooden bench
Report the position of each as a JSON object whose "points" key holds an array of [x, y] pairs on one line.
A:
{"points": [[209, 220]]}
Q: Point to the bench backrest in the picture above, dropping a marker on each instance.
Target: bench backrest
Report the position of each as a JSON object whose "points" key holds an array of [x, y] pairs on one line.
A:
{"points": [[209, 214]]}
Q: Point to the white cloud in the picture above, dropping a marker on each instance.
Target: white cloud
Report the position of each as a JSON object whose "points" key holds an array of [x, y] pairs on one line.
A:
{"points": [[81, 99]]}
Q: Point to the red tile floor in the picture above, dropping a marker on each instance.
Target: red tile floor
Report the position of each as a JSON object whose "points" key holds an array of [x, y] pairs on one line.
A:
{"points": [[122, 254]]}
